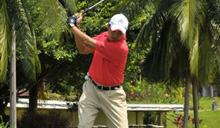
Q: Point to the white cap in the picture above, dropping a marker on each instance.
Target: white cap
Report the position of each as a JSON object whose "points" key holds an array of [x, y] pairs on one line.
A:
{"points": [[119, 22]]}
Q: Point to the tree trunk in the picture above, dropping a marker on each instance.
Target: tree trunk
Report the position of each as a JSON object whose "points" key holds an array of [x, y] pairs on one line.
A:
{"points": [[32, 111], [13, 92], [33, 101], [186, 104], [195, 102]]}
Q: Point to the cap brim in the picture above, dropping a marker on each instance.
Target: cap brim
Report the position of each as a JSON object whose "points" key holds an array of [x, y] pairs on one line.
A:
{"points": [[118, 28]]}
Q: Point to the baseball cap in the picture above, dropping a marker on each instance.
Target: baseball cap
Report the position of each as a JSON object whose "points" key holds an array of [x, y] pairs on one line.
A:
{"points": [[119, 22]]}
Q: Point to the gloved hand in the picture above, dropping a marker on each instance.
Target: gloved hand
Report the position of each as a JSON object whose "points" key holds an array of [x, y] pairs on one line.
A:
{"points": [[71, 21]]}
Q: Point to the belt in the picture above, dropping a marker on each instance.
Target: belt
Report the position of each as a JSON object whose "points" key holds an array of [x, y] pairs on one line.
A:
{"points": [[105, 88]]}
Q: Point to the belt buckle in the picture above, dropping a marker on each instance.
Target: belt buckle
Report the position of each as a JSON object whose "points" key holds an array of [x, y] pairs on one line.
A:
{"points": [[101, 87]]}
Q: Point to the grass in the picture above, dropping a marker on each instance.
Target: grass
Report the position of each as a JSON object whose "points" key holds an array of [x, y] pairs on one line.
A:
{"points": [[210, 119]]}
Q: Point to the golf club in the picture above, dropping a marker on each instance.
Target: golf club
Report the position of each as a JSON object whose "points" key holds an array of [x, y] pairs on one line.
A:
{"points": [[93, 6], [73, 19]]}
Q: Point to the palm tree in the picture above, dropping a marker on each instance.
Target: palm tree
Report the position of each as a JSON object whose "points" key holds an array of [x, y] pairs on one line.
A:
{"points": [[193, 25], [48, 17], [196, 20], [14, 19], [18, 13]]}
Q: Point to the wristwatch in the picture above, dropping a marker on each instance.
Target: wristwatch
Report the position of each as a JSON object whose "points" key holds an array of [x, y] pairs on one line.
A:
{"points": [[71, 23]]}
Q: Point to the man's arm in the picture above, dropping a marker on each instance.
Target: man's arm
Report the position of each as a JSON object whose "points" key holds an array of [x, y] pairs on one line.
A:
{"points": [[83, 49], [84, 43]]}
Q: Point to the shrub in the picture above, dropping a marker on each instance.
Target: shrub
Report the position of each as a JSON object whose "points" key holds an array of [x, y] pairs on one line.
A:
{"points": [[3, 124], [158, 93], [179, 121], [52, 119]]}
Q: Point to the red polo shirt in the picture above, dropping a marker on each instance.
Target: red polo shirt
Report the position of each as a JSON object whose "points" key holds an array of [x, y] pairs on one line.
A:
{"points": [[108, 61]]}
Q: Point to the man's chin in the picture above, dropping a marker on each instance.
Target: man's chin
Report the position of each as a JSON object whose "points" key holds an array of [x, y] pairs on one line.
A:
{"points": [[112, 39]]}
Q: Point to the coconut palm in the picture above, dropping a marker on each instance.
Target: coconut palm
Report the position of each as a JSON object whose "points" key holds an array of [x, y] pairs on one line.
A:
{"points": [[185, 32], [197, 27], [51, 16]]}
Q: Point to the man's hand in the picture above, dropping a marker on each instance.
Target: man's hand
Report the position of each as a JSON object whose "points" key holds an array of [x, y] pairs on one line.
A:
{"points": [[71, 21], [79, 19], [75, 20]]}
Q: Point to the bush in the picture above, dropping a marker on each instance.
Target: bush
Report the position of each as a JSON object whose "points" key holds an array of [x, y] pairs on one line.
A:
{"points": [[3, 124], [52, 119], [158, 93]]}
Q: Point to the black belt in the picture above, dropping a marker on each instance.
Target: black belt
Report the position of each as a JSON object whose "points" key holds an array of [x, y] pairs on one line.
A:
{"points": [[104, 87]]}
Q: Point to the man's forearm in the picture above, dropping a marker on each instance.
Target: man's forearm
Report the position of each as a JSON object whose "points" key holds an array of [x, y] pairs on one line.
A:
{"points": [[79, 45], [83, 40]]}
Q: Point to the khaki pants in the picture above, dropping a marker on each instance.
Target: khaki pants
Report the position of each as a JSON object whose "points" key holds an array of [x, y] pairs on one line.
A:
{"points": [[112, 103]]}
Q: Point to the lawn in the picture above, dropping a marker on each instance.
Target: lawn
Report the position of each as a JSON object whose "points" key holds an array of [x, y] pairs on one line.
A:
{"points": [[210, 119]]}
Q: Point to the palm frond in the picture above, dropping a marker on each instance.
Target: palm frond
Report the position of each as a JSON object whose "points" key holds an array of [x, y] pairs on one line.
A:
{"points": [[166, 57], [217, 59], [4, 40], [52, 17], [70, 5], [131, 8], [213, 10], [209, 43], [194, 56], [26, 43], [150, 32], [206, 61], [213, 19], [190, 17], [185, 12], [34, 43]]}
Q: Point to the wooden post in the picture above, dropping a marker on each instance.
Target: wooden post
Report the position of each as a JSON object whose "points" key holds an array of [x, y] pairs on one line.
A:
{"points": [[13, 112], [136, 117], [161, 118]]}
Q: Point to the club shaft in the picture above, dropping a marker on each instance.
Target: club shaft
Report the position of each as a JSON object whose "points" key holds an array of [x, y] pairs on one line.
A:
{"points": [[93, 6]]}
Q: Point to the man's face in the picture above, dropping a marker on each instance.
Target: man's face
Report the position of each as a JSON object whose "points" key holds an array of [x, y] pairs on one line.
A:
{"points": [[114, 35]]}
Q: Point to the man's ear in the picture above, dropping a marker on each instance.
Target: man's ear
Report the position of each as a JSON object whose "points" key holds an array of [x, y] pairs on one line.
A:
{"points": [[108, 25]]}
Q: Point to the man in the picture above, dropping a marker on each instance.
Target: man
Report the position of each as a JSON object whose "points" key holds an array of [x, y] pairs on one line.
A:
{"points": [[103, 89]]}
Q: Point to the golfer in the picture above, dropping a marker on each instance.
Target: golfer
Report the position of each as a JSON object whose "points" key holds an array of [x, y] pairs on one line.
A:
{"points": [[103, 87]]}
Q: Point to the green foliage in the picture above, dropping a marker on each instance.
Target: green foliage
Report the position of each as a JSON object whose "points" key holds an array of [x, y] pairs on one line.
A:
{"points": [[53, 41], [52, 17], [70, 6], [137, 51], [3, 124], [95, 21], [159, 93], [171, 48], [133, 8], [4, 40], [51, 119], [208, 74], [195, 32], [59, 52], [26, 43]]}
